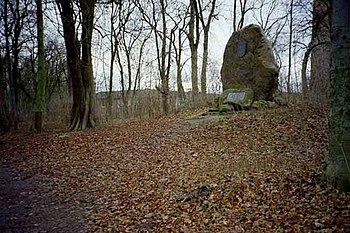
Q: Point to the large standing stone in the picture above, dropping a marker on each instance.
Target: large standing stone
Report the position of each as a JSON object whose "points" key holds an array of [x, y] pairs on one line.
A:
{"points": [[249, 62]]}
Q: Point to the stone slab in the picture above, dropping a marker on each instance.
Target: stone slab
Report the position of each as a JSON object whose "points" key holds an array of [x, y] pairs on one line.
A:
{"points": [[235, 96]]}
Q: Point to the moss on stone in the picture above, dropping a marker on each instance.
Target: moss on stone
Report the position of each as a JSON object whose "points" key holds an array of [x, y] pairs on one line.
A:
{"points": [[256, 68], [260, 105], [246, 102]]}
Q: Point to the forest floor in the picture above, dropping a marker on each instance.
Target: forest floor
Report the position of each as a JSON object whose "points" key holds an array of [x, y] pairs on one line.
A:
{"points": [[258, 171]]}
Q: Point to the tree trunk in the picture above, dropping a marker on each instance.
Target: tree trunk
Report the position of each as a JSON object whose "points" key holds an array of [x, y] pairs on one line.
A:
{"points": [[234, 15], [194, 69], [40, 94], [180, 87], [338, 169], [165, 101], [304, 82], [243, 5], [204, 63], [111, 74], [193, 40], [289, 78], [320, 56], [206, 27], [80, 71], [88, 11], [4, 124], [18, 26], [12, 82], [165, 63]]}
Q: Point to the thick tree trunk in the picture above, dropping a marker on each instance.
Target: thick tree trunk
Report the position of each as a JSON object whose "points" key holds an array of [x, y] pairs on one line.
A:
{"points": [[40, 94], [193, 37], [321, 55], [80, 71], [338, 169], [87, 9]]}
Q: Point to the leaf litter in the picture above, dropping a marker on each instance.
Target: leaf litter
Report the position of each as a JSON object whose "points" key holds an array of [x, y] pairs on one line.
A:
{"points": [[258, 171]]}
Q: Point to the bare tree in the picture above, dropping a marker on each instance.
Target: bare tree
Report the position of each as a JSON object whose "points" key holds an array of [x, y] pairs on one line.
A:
{"points": [[163, 30], [130, 41], [12, 80], [240, 10], [206, 27], [80, 68], [16, 16], [113, 50], [290, 46], [178, 48], [269, 16], [193, 36], [40, 94], [178, 45], [57, 82], [320, 51]]}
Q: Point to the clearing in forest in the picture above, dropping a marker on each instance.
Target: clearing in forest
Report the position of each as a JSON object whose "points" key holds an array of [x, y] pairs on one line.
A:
{"points": [[248, 172]]}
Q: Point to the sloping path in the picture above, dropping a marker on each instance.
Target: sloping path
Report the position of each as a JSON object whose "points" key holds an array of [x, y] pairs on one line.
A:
{"points": [[28, 201], [242, 174]]}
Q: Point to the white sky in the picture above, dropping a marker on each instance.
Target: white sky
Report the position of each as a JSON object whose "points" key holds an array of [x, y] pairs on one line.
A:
{"points": [[219, 34]]}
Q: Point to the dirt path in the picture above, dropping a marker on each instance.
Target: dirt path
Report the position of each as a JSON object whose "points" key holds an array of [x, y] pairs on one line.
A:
{"points": [[202, 120], [204, 174], [27, 205]]}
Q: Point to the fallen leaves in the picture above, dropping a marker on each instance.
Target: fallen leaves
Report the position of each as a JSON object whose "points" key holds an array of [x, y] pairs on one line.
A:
{"points": [[252, 172]]}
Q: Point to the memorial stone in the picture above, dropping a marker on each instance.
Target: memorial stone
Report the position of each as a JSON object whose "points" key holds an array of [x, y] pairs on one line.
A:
{"points": [[249, 63]]}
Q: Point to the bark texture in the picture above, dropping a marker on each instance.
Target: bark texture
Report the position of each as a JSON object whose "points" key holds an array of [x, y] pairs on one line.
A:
{"points": [[338, 169], [178, 54], [80, 70], [206, 27], [193, 38], [321, 53], [40, 94]]}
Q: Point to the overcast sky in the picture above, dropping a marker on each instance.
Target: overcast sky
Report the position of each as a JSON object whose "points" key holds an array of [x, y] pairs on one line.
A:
{"points": [[220, 32]]}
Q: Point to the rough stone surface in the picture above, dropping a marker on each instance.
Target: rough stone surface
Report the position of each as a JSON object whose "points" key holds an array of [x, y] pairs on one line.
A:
{"points": [[226, 108], [235, 99], [260, 105], [249, 62], [280, 101], [272, 104]]}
